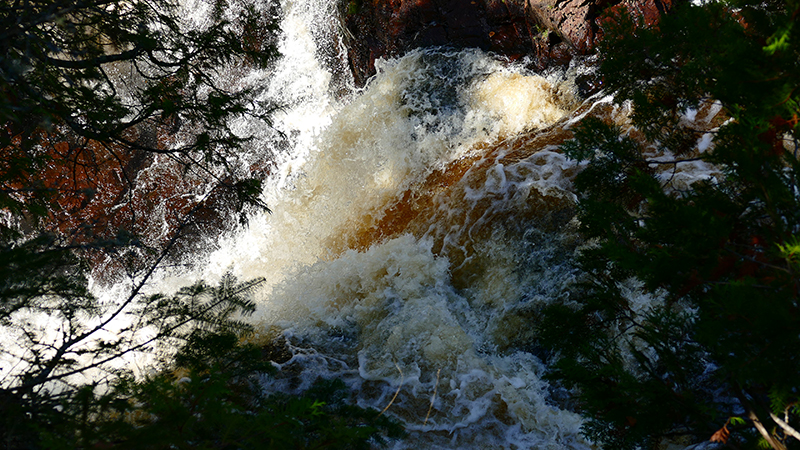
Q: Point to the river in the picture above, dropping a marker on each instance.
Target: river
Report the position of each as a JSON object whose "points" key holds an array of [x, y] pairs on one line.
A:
{"points": [[417, 225]]}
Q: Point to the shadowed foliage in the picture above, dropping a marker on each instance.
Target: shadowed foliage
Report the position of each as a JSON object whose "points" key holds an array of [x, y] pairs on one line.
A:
{"points": [[714, 353], [91, 92]]}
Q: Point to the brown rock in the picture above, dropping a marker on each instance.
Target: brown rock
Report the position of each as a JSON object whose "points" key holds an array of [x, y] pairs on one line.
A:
{"points": [[551, 31], [572, 20], [391, 28], [649, 11]]}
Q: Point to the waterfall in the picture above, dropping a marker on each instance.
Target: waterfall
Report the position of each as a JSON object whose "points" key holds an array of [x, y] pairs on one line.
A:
{"points": [[415, 230], [418, 226]]}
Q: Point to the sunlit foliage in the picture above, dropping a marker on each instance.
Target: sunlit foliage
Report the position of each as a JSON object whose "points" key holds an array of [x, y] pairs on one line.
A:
{"points": [[717, 351]]}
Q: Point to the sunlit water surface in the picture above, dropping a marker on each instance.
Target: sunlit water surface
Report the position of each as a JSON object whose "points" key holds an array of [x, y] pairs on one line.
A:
{"points": [[418, 225]]}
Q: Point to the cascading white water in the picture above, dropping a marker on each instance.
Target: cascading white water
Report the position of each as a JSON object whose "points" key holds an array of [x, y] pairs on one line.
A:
{"points": [[418, 224], [426, 318]]}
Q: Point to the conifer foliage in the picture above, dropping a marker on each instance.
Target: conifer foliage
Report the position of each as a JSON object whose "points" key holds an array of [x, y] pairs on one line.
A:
{"points": [[716, 353], [92, 89], [87, 89]]}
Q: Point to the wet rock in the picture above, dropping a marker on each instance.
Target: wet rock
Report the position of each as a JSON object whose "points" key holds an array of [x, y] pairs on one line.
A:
{"points": [[708, 445], [572, 20], [551, 32], [649, 11], [579, 22], [381, 28]]}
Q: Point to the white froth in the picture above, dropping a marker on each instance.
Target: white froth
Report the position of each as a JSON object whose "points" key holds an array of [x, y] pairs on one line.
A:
{"points": [[416, 333], [389, 317], [518, 101]]}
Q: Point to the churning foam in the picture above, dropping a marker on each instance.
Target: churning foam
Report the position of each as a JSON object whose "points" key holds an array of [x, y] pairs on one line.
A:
{"points": [[387, 314], [427, 305], [413, 236], [392, 320], [418, 115]]}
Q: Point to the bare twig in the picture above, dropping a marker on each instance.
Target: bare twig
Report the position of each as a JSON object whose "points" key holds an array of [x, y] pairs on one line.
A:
{"points": [[785, 426], [433, 397], [396, 393], [774, 443]]}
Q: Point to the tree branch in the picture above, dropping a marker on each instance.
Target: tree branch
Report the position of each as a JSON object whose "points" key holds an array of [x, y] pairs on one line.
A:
{"points": [[94, 62], [785, 426], [774, 443]]}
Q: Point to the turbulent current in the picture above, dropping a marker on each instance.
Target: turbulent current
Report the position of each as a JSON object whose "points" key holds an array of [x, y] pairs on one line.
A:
{"points": [[411, 238], [418, 224]]}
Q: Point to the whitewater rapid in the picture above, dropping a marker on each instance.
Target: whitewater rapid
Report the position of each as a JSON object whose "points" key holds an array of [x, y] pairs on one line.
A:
{"points": [[418, 225], [413, 235]]}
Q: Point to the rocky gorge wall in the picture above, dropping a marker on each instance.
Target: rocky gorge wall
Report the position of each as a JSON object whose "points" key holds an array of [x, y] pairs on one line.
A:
{"points": [[551, 32]]}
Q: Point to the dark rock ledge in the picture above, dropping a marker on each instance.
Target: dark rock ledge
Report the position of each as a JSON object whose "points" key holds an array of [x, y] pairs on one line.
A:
{"points": [[551, 32]]}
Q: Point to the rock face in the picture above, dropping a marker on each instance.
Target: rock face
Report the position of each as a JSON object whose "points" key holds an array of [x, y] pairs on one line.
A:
{"points": [[551, 31], [393, 27], [578, 22]]}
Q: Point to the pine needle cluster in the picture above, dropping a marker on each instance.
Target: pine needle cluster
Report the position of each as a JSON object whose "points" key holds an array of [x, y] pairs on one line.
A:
{"points": [[716, 354]]}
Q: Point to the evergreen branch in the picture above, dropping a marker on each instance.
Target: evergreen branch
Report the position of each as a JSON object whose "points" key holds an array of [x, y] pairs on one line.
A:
{"points": [[672, 162], [44, 375], [44, 17], [93, 62]]}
